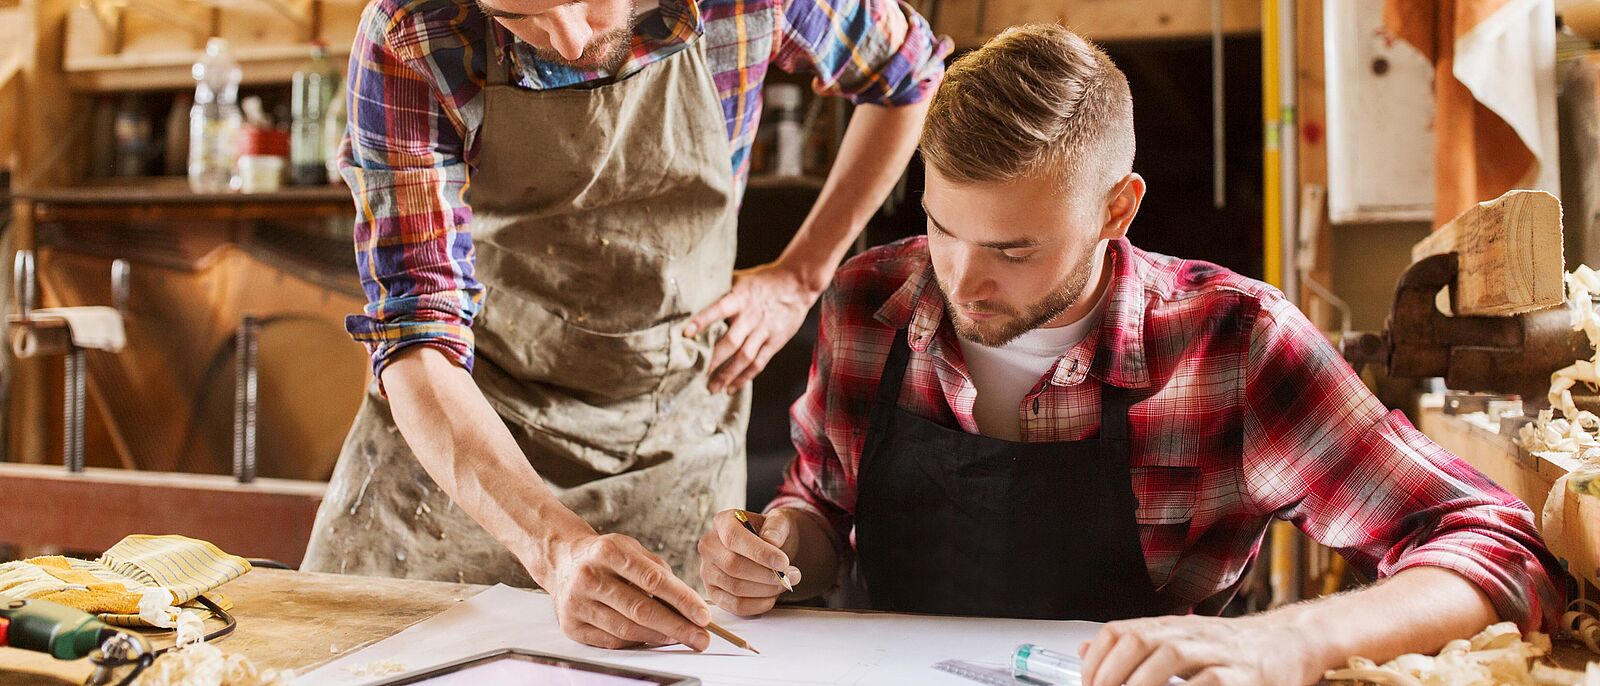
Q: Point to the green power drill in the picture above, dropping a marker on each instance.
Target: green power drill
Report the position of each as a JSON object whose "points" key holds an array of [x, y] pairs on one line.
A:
{"points": [[64, 632]]}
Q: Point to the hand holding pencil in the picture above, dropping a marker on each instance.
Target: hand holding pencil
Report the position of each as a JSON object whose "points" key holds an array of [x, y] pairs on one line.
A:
{"points": [[745, 561]]}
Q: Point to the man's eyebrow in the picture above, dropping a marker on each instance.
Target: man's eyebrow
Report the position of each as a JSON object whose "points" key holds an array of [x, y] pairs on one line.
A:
{"points": [[992, 245]]}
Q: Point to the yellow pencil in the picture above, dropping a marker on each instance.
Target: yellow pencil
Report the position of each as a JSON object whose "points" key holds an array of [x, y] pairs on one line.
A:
{"points": [[782, 578], [730, 637]]}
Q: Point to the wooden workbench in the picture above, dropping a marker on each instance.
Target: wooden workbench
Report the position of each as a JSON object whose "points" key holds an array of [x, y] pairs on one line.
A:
{"points": [[296, 620], [1476, 439], [300, 620]]}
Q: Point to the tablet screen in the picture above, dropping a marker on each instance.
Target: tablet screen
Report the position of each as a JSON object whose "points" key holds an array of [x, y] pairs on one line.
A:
{"points": [[526, 669]]}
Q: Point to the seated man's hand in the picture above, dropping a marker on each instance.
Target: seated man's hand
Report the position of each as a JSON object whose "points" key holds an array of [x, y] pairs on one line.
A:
{"points": [[740, 568], [611, 592], [1207, 651]]}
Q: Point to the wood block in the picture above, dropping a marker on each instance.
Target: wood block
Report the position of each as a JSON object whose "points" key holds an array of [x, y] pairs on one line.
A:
{"points": [[1510, 254]]}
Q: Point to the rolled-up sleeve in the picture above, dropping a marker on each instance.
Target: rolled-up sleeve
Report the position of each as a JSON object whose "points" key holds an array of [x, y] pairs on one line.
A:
{"points": [[874, 52], [403, 158], [817, 480], [1322, 451]]}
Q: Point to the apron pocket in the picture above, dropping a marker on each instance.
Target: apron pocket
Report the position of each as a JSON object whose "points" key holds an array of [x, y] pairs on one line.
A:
{"points": [[533, 344]]}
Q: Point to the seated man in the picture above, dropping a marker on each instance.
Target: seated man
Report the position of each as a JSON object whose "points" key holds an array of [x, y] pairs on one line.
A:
{"points": [[1023, 415]]}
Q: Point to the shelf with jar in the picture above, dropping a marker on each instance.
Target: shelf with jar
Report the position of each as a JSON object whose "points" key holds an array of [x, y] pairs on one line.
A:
{"points": [[247, 151]]}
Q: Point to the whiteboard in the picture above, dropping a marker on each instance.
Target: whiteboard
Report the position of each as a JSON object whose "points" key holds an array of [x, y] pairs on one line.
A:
{"points": [[799, 647], [1379, 101]]}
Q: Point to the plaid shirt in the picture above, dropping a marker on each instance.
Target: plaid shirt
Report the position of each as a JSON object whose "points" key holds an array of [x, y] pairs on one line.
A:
{"points": [[417, 71], [1243, 413]]}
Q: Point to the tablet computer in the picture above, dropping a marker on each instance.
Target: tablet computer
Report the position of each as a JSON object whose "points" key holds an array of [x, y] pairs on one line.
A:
{"points": [[521, 667]]}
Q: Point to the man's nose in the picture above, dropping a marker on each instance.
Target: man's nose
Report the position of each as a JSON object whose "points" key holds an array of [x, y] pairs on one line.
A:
{"points": [[570, 34]]}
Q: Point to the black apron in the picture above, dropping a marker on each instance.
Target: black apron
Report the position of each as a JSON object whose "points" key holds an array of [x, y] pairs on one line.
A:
{"points": [[954, 523]]}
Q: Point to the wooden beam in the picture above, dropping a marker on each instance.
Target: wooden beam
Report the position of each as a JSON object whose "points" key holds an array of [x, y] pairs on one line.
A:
{"points": [[91, 511], [1509, 253], [971, 22]]}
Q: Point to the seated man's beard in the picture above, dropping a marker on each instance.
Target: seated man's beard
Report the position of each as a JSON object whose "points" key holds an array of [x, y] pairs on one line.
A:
{"points": [[605, 53], [1012, 323]]}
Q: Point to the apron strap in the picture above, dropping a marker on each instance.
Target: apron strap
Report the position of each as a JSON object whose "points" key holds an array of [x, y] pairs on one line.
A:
{"points": [[1113, 413], [496, 58], [894, 370]]}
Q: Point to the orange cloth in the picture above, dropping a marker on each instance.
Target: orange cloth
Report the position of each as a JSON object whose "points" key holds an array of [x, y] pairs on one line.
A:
{"points": [[1477, 155]]}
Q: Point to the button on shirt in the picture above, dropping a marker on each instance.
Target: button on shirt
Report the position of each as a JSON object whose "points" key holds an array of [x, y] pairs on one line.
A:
{"points": [[1005, 376]]}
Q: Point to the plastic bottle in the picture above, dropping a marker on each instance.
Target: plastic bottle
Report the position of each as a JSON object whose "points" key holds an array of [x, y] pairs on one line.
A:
{"points": [[313, 90], [214, 120]]}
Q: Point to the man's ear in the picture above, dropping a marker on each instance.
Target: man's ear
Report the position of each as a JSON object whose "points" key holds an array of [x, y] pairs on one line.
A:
{"points": [[1121, 207]]}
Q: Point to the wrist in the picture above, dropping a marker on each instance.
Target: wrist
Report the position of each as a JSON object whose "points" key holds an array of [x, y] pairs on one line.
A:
{"points": [[1312, 642], [551, 541], [811, 271]]}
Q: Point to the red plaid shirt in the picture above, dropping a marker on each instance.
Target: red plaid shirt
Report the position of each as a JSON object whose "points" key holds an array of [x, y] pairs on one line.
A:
{"points": [[1243, 413]]}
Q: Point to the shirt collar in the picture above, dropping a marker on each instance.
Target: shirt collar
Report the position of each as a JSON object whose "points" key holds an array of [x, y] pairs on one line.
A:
{"points": [[673, 25], [1112, 352]]}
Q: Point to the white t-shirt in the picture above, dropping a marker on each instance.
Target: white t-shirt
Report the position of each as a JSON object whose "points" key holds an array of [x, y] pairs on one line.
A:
{"points": [[1004, 375]]}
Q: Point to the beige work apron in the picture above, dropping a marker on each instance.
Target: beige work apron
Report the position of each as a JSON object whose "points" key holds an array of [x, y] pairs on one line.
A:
{"points": [[603, 218]]}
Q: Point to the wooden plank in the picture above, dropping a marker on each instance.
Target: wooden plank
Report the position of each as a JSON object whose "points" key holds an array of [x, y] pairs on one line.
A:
{"points": [[971, 22], [294, 620], [91, 511], [261, 64], [1510, 254]]}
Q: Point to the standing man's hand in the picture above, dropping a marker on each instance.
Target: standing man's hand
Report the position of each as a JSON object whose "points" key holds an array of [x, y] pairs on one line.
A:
{"points": [[611, 592], [1208, 651], [739, 567], [764, 308]]}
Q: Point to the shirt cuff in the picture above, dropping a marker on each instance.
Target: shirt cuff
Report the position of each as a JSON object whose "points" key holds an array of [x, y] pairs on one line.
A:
{"points": [[915, 70], [1518, 585], [385, 339]]}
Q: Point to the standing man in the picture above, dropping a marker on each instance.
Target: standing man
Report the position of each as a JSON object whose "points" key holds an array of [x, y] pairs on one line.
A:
{"points": [[546, 195], [1023, 415]]}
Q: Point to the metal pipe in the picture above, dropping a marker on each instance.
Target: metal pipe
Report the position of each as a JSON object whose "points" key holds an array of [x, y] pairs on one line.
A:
{"points": [[72, 413], [244, 401]]}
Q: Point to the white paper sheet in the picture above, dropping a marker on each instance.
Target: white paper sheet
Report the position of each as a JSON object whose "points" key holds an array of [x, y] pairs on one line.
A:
{"points": [[798, 647]]}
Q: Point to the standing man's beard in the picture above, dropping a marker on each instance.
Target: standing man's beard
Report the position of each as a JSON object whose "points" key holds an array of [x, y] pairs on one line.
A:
{"points": [[1011, 323], [604, 53]]}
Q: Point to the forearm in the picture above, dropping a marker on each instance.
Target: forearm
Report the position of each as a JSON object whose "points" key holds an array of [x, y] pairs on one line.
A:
{"points": [[876, 147], [462, 443], [817, 557], [1416, 611]]}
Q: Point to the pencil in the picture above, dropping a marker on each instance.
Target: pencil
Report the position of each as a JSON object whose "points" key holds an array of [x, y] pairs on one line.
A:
{"points": [[739, 515], [731, 637]]}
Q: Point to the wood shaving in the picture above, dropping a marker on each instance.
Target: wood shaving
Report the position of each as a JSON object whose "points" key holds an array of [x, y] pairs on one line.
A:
{"points": [[193, 662], [1498, 656], [379, 668], [1574, 432]]}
